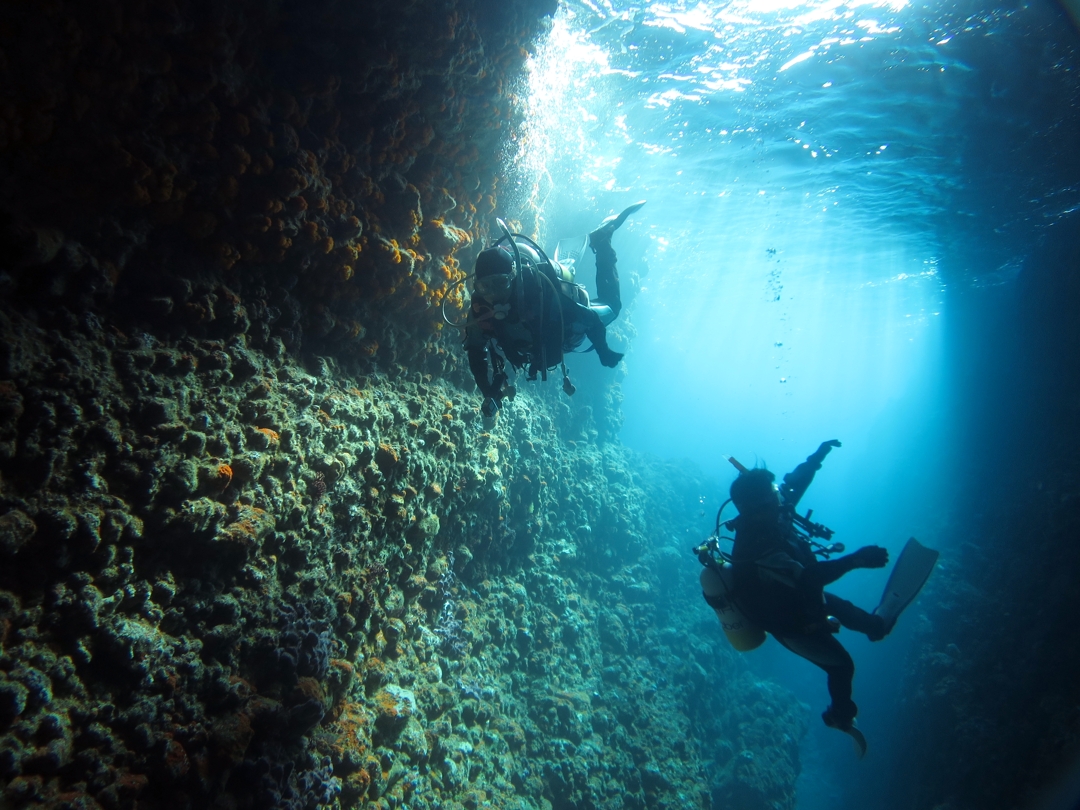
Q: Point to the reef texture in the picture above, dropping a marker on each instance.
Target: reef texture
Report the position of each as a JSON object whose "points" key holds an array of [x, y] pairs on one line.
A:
{"points": [[256, 548], [227, 576]]}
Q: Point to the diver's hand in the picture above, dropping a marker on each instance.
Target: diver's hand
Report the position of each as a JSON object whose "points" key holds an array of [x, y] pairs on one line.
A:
{"points": [[870, 557], [818, 455], [489, 408]]}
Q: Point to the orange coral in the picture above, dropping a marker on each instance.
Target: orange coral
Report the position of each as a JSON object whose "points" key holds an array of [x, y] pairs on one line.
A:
{"points": [[272, 435], [227, 255], [310, 688], [386, 455], [251, 525], [391, 706]]}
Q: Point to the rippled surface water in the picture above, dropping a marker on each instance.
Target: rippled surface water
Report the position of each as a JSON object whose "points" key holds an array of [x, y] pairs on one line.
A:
{"points": [[841, 113], [824, 179], [820, 175]]}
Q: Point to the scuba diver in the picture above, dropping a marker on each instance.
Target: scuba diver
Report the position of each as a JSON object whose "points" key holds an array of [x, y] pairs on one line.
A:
{"points": [[528, 310], [772, 581]]}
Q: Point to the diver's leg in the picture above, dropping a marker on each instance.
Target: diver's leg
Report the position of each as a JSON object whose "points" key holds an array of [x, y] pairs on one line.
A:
{"points": [[855, 618], [824, 650], [596, 332], [607, 275]]}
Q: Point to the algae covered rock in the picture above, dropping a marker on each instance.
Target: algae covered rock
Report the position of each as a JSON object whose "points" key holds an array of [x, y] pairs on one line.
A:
{"points": [[16, 530], [257, 548]]}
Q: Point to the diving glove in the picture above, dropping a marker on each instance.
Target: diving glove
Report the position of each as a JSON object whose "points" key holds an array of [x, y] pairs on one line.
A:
{"points": [[609, 357], [870, 557]]}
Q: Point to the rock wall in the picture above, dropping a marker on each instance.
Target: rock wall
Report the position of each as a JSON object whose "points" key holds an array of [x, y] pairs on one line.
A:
{"points": [[269, 168], [226, 576], [256, 548]]}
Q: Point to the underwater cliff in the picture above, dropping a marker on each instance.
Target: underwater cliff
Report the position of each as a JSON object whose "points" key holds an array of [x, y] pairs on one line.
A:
{"points": [[256, 548]]}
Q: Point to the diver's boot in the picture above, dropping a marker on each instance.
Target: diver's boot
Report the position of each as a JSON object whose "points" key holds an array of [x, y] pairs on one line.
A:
{"points": [[843, 721], [603, 233]]}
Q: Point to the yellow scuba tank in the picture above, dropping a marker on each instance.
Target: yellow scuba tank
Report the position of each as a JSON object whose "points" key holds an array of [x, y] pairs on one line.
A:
{"points": [[564, 275], [717, 583], [563, 272]]}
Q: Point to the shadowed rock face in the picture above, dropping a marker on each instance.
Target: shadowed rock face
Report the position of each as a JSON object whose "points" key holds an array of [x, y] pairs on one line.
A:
{"points": [[256, 549], [990, 713], [272, 169]]}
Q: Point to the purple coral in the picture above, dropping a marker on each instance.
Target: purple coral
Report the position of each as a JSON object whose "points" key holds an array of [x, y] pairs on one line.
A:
{"points": [[451, 631], [318, 486]]}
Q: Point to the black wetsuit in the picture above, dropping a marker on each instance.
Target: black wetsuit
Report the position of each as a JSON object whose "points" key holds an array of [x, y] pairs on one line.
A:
{"points": [[779, 585], [540, 322]]}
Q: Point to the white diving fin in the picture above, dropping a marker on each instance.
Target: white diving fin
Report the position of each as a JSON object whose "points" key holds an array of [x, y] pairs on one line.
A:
{"points": [[909, 574], [571, 249]]}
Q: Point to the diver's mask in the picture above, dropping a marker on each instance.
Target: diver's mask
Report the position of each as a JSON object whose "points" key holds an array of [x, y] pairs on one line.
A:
{"points": [[495, 288], [754, 490], [761, 499], [495, 274]]}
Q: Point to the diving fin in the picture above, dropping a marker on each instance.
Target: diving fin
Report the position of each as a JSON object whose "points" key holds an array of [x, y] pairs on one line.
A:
{"points": [[613, 223], [908, 576], [858, 738], [850, 729], [569, 250]]}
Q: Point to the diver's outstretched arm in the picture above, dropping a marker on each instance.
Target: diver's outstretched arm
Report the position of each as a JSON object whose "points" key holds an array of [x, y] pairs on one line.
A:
{"points": [[478, 365], [828, 571], [798, 480]]}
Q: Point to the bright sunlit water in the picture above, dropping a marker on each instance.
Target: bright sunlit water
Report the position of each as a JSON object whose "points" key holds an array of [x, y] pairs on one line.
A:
{"points": [[821, 177]]}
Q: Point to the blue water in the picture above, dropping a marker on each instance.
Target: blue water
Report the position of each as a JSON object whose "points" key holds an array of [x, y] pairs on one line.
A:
{"points": [[825, 180]]}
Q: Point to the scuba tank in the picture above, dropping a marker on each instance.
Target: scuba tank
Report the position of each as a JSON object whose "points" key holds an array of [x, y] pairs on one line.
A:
{"points": [[717, 583], [718, 587], [559, 276]]}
